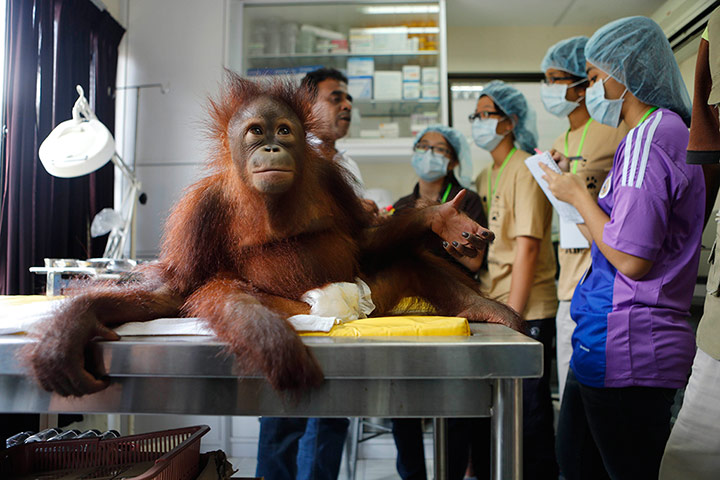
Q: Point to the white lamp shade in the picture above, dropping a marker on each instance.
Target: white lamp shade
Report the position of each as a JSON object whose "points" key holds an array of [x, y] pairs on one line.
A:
{"points": [[75, 148]]}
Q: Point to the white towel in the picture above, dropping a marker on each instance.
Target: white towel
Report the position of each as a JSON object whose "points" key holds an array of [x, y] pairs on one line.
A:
{"points": [[330, 305]]}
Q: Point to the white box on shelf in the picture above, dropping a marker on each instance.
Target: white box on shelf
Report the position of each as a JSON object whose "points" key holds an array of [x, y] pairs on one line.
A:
{"points": [[411, 73], [360, 87], [390, 39], [360, 67], [360, 41], [411, 90], [431, 91], [430, 75], [322, 32], [379, 39], [413, 44], [416, 128], [369, 133], [387, 85], [389, 130]]}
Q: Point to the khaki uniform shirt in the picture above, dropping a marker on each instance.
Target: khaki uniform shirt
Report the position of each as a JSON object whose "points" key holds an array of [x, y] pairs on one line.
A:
{"points": [[598, 150], [518, 208], [703, 149], [708, 332]]}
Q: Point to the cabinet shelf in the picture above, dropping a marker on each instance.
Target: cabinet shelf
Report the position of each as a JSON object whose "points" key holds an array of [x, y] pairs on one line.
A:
{"points": [[257, 27], [385, 108], [418, 53], [394, 150]]}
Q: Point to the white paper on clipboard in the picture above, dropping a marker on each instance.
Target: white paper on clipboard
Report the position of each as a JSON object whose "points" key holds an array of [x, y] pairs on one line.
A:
{"points": [[565, 210], [571, 236]]}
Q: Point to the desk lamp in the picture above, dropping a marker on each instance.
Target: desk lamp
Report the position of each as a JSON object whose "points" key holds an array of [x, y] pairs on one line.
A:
{"points": [[80, 146]]}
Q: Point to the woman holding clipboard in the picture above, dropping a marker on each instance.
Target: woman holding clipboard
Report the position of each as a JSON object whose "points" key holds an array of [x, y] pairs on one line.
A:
{"points": [[632, 346], [588, 148]]}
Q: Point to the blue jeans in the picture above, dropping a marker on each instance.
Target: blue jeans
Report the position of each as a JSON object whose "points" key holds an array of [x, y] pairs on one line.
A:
{"points": [[300, 448]]}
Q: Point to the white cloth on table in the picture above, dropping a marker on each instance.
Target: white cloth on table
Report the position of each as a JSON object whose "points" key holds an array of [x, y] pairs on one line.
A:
{"points": [[330, 305]]}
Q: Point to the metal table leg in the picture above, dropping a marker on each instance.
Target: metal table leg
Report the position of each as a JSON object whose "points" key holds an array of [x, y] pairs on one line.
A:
{"points": [[440, 426], [507, 452], [351, 446]]}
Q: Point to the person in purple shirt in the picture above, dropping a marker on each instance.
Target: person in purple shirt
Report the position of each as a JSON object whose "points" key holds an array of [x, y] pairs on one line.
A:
{"points": [[632, 346]]}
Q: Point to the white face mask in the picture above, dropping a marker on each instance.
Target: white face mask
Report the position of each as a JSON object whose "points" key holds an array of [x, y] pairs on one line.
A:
{"points": [[604, 110], [430, 166], [484, 133], [554, 98]]}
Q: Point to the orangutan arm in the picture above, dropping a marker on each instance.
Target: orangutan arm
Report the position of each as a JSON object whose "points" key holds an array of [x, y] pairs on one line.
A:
{"points": [[58, 358], [260, 338], [463, 235]]}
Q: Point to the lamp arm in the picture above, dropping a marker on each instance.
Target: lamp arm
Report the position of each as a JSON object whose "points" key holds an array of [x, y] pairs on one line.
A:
{"points": [[118, 236]]}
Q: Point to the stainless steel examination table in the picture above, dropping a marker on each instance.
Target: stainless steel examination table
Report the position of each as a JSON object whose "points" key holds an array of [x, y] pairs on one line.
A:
{"points": [[437, 377]]}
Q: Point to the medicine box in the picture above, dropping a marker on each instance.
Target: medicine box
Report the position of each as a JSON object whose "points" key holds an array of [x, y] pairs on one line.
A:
{"points": [[389, 130], [360, 67], [411, 73], [387, 85], [430, 75], [379, 39], [431, 91], [370, 133], [360, 87], [411, 90], [360, 41]]}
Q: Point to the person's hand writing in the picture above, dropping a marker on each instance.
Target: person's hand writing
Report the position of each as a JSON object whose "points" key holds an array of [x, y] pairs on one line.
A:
{"points": [[562, 161], [566, 187]]}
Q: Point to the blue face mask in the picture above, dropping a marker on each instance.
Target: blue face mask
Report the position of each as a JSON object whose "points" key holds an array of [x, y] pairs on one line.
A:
{"points": [[484, 133], [604, 110], [429, 165], [553, 98]]}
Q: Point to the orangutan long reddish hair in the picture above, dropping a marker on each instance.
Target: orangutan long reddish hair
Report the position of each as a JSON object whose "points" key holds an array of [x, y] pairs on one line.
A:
{"points": [[275, 217]]}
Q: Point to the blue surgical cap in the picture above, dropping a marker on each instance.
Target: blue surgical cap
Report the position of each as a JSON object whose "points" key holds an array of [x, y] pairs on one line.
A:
{"points": [[513, 104], [567, 55], [635, 51], [464, 170]]}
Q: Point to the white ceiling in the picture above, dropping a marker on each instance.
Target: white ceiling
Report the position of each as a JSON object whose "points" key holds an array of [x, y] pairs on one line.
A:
{"points": [[469, 13]]}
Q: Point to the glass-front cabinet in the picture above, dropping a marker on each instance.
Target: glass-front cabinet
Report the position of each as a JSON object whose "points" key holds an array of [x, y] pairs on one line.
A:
{"points": [[393, 53]]}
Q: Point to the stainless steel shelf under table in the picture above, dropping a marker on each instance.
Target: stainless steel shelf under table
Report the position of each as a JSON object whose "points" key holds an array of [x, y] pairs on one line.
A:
{"points": [[437, 377]]}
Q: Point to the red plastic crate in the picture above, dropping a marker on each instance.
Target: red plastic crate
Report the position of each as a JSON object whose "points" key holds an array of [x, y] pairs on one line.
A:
{"points": [[176, 454]]}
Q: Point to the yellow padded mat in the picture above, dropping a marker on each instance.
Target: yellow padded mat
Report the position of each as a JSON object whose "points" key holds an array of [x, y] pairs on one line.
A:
{"points": [[398, 326], [407, 325]]}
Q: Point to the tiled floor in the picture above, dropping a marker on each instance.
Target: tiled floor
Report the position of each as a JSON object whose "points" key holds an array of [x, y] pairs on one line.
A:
{"points": [[367, 469], [376, 469]]}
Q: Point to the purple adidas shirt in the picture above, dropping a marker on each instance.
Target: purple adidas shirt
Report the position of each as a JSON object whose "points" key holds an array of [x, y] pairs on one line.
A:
{"points": [[656, 204]]}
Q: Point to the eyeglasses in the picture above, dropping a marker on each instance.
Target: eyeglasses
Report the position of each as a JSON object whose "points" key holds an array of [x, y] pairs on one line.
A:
{"points": [[424, 147], [552, 80], [484, 115]]}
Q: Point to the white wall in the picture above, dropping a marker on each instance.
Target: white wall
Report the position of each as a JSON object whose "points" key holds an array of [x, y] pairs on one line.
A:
{"points": [[116, 8], [505, 49], [179, 44]]}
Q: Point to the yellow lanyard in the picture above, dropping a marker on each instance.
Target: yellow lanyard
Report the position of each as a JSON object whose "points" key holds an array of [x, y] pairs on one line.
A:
{"points": [[491, 191], [580, 147], [646, 115]]}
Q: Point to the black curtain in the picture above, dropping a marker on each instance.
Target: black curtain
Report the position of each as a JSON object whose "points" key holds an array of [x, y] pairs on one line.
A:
{"points": [[52, 46]]}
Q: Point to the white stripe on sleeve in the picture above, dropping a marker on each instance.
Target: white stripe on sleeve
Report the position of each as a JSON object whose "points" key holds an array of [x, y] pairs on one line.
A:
{"points": [[646, 149], [626, 157], [637, 150]]}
